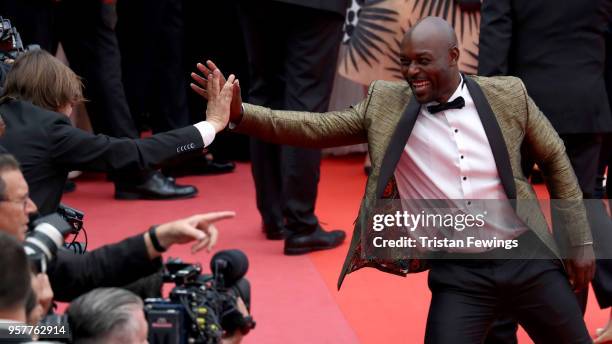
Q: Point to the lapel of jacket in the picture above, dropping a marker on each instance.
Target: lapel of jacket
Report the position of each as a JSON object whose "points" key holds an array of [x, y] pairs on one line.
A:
{"points": [[397, 144], [494, 135]]}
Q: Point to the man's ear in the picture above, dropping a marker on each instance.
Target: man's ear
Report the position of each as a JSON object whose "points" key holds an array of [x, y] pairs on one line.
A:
{"points": [[453, 56]]}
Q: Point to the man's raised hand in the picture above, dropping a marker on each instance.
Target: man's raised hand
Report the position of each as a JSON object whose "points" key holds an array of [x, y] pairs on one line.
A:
{"points": [[219, 100], [201, 87]]}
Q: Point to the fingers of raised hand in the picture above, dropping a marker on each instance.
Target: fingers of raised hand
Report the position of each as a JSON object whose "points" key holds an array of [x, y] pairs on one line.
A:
{"points": [[199, 91], [227, 90], [214, 85], [202, 68], [202, 81], [214, 67]]}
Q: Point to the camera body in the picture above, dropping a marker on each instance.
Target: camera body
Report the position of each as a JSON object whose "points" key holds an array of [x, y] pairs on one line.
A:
{"points": [[48, 233], [10, 41], [200, 308]]}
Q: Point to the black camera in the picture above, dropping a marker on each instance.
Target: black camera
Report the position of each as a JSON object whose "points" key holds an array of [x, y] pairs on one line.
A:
{"points": [[10, 41], [11, 47], [48, 233], [201, 308]]}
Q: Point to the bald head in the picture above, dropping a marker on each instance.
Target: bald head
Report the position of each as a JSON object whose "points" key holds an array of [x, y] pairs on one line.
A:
{"points": [[433, 28], [429, 59]]}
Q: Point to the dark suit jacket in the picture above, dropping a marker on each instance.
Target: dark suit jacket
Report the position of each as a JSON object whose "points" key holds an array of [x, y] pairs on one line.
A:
{"points": [[385, 120], [114, 265], [47, 146], [557, 49], [337, 6]]}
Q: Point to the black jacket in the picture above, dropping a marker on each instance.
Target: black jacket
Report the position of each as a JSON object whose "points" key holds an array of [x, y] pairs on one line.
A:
{"points": [[114, 265], [557, 49], [47, 146]]}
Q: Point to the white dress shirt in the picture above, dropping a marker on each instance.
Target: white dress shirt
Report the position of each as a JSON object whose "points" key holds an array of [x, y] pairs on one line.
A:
{"points": [[207, 131], [448, 156]]}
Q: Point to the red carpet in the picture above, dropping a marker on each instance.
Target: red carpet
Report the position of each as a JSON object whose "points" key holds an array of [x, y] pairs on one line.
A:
{"points": [[294, 298]]}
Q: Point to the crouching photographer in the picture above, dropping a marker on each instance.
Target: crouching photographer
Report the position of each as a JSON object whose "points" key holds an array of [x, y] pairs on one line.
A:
{"points": [[113, 315], [203, 308], [197, 310], [113, 265]]}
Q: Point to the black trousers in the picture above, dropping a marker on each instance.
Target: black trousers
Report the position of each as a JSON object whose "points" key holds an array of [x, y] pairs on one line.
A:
{"points": [[229, 53], [86, 31], [151, 37], [292, 53], [467, 296], [88, 37]]}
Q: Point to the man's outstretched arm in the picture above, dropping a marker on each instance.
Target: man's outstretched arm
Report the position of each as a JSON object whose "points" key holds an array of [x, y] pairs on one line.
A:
{"points": [[306, 129], [547, 148], [124, 262]]}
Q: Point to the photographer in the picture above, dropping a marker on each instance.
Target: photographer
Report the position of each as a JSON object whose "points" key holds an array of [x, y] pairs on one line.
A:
{"points": [[14, 274], [113, 315], [17, 298], [111, 265], [38, 96], [107, 315]]}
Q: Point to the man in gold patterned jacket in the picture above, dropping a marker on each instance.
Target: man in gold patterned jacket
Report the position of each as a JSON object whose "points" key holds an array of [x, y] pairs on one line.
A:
{"points": [[445, 135]]}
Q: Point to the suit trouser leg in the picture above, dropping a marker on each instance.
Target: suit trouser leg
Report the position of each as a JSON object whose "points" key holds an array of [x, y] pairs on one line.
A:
{"points": [[310, 67], [467, 297], [545, 305], [264, 45], [289, 70], [265, 168], [462, 306], [93, 52], [151, 36]]}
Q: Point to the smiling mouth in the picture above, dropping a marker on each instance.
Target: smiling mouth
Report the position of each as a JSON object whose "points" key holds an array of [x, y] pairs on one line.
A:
{"points": [[420, 85]]}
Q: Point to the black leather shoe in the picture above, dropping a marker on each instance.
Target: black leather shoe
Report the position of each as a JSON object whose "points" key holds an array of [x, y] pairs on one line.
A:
{"points": [[157, 186], [315, 241], [274, 233], [200, 166]]}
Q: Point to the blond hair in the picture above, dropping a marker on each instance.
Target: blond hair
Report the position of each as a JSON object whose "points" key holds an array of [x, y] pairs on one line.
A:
{"points": [[43, 80]]}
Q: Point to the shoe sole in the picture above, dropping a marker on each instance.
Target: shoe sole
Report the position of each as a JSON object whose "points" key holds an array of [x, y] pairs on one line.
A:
{"points": [[187, 174], [275, 236], [303, 250], [136, 196]]}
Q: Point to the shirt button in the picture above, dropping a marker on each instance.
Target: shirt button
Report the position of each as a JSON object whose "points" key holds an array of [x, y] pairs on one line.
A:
{"points": [[464, 178], [462, 157], [469, 203], [456, 130]]}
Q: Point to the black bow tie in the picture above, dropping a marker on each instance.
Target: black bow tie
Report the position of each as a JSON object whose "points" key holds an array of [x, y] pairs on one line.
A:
{"points": [[458, 103]]}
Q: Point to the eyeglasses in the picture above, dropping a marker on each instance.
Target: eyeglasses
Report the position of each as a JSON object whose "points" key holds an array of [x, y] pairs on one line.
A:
{"points": [[23, 202]]}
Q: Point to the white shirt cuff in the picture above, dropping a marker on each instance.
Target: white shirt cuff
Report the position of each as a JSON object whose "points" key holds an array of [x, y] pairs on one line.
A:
{"points": [[207, 131]]}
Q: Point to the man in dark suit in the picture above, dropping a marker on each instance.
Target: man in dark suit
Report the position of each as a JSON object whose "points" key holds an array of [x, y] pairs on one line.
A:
{"points": [[48, 146], [443, 135], [559, 52], [292, 47], [112, 265], [86, 30]]}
